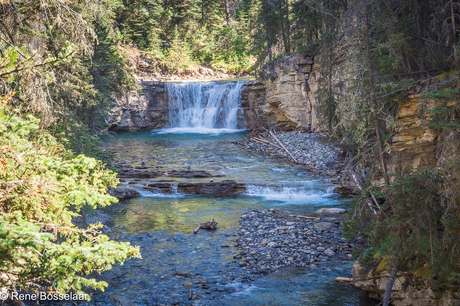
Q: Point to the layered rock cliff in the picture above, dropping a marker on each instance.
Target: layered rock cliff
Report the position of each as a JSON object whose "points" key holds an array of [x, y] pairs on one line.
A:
{"points": [[141, 110], [413, 142], [282, 98]]}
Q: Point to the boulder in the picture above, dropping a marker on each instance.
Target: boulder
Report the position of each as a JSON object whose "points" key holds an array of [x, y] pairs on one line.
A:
{"points": [[217, 188], [124, 193]]}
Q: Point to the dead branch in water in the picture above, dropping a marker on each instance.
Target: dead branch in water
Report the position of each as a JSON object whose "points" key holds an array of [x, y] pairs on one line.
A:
{"points": [[211, 225], [129, 209]]}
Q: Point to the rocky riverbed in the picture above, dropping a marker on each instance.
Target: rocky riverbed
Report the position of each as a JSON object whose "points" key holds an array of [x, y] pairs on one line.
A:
{"points": [[313, 150], [235, 264], [272, 238], [309, 149]]}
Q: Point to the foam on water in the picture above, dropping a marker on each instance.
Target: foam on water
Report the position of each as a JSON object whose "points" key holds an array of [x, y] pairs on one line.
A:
{"points": [[243, 289], [196, 130], [149, 194], [290, 195]]}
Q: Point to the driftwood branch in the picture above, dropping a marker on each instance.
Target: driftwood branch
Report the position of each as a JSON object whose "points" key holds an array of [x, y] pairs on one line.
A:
{"points": [[344, 279], [211, 225], [263, 141], [284, 148], [309, 218]]}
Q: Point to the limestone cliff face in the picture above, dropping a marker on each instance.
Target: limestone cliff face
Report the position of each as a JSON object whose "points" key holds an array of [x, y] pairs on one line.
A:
{"points": [[144, 110], [283, 98], [413, 140]]}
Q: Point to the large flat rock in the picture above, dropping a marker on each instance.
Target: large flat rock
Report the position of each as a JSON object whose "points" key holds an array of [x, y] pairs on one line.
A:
{"points": [[214, 188]]}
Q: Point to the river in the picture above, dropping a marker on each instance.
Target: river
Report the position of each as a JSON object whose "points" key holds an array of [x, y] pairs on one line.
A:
{"points": [[180, 268]]}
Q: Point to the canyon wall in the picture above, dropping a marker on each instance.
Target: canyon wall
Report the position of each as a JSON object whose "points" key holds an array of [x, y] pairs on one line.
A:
{"points": [[283, 97], [141, 110], [413, 142]]}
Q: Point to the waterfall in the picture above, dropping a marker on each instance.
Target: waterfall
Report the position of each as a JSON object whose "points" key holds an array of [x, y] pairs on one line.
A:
{"points": [[204, 107]]}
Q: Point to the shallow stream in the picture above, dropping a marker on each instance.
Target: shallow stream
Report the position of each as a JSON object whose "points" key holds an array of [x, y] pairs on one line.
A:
{"points": [[177, 264]]}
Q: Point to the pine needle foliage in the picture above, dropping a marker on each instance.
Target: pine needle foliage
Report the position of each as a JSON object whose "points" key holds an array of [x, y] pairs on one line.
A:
{"points": [[42, 187]]}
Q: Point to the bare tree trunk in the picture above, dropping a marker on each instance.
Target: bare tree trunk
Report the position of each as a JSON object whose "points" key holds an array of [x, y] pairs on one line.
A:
{"points": [[93, 120], [269, 44], [227, 12], [391, 280], [281, 22], [388, 5], [288, 27], [431, 243], [202, 12], [373, 99], [454, 31], [419, 31]]}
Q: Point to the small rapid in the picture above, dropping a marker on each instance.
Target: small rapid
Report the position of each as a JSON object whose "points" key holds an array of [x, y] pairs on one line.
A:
{"points": [[290, 195]]}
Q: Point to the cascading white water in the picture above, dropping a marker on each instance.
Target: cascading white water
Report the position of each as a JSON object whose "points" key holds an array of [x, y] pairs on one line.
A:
{"points": [[196, 106], [289, 194]]}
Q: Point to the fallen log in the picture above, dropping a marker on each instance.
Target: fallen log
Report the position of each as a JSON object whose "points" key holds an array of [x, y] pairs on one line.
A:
{"points": [[279, 142], [312, 218], [263, 141], [210, 225]]}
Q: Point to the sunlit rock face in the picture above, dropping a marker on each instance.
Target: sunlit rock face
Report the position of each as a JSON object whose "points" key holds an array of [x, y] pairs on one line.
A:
{"points": [[413, 141], [283, 96]]}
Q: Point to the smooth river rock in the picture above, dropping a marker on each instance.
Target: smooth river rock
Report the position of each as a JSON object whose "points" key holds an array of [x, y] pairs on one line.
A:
{"points": [[124, 193]]}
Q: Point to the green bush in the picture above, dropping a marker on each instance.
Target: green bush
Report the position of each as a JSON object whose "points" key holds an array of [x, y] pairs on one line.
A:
{"points": [[42, 187]]}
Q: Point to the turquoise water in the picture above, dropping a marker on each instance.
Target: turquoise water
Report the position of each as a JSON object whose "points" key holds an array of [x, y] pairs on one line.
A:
{"points": [[271, 183]]}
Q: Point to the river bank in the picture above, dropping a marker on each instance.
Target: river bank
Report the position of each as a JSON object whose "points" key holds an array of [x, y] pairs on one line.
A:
{"points": [[274, 238], [315, 151]]}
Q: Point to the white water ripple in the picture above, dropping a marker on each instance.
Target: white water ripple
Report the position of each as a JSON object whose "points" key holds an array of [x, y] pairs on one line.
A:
{"points": [[289, 195]]}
